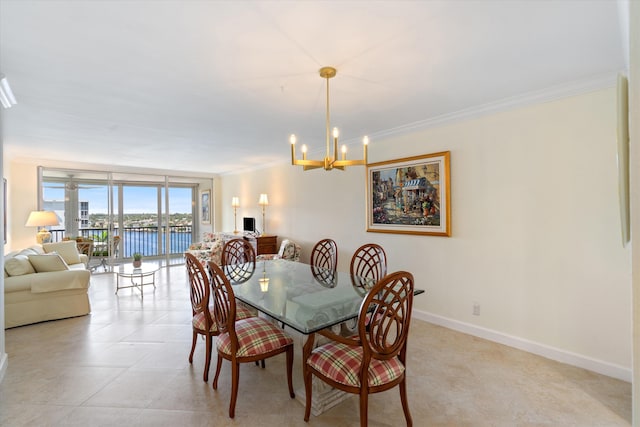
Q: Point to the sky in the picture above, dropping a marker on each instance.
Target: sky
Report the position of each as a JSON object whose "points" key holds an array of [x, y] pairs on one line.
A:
{"points": [[136, 199]]}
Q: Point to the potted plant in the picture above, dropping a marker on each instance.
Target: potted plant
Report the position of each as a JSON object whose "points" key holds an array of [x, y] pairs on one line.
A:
{"points": [[137, 260]]}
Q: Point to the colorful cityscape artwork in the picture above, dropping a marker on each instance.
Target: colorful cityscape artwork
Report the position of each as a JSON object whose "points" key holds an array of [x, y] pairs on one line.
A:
{"points": [[410, 195]]}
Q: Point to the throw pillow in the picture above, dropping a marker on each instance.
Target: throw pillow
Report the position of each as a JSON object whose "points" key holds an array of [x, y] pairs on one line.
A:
{"points": [[67, 250], [18, 266], [48, 262]]}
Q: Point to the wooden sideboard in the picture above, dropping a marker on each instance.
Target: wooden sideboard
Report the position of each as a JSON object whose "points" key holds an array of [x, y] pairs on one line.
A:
{"points": [[267, 245]]}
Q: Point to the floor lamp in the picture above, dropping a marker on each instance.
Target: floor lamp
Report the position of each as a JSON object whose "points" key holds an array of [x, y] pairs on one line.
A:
{"points": [[235, 203], [264, 202]]}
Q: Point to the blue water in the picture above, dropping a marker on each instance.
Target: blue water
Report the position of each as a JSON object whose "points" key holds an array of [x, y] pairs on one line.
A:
{"points": [[147, 243]]}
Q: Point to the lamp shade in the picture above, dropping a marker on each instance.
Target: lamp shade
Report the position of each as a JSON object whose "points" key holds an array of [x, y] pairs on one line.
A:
{"points": [[264, 200], [42, 218], [235, 202]]}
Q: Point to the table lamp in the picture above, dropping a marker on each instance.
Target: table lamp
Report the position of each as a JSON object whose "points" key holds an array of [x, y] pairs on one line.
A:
{"points": [[42, 219], [264, 202]]}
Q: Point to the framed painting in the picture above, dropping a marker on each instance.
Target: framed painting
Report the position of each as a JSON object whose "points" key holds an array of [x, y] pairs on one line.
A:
{"points": [[410, 195], [205, 206]]}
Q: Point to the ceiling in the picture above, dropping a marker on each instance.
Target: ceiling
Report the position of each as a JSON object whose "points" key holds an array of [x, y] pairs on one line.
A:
{"points": [[218, 86]]}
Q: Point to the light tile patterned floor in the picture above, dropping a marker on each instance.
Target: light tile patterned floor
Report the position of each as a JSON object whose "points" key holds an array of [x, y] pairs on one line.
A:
{"points": [[126, 365]]}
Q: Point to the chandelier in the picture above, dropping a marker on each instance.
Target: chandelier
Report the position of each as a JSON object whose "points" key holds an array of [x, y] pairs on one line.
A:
{"points": [[331, 160]]}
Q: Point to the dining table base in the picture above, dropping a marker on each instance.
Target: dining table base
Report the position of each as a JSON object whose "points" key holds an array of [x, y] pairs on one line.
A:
{"points": [[323, 396]]}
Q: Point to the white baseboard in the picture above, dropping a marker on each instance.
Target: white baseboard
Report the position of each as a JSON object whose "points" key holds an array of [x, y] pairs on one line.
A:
{"points": [[563, 356], [4, 361]]}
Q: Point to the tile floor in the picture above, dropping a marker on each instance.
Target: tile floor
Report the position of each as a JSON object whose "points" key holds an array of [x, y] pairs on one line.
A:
{"points": [[126, 365]]}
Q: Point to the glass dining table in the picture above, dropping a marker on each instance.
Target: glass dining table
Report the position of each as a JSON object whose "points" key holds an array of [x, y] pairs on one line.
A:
{"points": [[307, 299], [301, 296]]}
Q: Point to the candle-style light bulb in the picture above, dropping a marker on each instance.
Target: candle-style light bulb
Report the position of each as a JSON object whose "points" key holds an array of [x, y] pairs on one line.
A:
{"points": [[336, 132], [292, 140], [365, 144]]}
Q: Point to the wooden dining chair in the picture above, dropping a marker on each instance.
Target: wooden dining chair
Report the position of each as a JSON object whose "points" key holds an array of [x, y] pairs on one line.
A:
{"points": [[202, 317], [368, 265], [325, 254], [374, 360], [242, 341], [238, 260]]}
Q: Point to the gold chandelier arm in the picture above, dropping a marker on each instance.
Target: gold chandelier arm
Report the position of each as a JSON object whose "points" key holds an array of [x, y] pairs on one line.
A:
{"points": [[308, 164], [340, 164]]}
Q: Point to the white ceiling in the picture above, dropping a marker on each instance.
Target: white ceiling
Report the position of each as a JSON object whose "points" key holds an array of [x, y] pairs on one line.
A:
{"points": [[218, 86]]}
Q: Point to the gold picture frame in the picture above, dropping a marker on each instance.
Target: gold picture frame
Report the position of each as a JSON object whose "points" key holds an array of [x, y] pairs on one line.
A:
{"points": [[205, 207], [411, 195]]}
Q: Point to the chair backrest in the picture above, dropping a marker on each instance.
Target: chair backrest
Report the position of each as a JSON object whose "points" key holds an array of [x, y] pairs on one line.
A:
{"points": [[325, 254], [385, 315], [224, 304], [289, 250], [199, 287], [368, 265], [238, 260], [85, 245]]}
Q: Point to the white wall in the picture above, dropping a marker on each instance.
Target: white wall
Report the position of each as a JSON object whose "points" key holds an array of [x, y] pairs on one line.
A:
{"points": [[3, 355], [535, 228], [634, 169]]}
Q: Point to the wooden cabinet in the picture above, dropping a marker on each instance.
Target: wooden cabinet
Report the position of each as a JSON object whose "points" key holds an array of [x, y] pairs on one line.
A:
{"points": [[267, 244]]}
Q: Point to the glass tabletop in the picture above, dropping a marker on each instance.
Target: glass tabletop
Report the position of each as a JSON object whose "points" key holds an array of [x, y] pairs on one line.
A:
{"points": [[301, 296], [130, 270]]}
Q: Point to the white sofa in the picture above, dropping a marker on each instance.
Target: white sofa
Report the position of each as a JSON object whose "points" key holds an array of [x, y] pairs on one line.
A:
{"points": [[45, 283]]}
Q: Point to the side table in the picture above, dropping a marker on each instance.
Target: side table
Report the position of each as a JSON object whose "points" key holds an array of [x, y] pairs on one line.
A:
{"points": [[267, 245], [138, 277]]}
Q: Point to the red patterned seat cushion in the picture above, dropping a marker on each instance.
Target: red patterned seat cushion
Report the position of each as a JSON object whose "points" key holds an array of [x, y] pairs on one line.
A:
{"points": [[341, 363], [255, 336], [198, 320]]}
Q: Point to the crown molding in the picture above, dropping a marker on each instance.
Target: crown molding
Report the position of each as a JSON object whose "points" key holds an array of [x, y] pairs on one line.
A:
{"points": [[577, 87]]}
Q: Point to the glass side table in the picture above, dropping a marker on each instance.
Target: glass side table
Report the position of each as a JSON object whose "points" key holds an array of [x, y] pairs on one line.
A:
{"points": [[137, 277]]}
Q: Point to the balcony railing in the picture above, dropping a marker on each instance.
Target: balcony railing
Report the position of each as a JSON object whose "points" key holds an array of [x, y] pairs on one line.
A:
{"points": [[145, 240]]}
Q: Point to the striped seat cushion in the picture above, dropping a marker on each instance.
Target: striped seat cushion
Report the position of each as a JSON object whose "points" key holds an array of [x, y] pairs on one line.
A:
{"points": [[255, 336], [341, 363], [198, 320]]}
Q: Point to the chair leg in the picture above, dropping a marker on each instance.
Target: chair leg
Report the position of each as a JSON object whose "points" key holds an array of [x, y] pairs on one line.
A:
{"points": [[215, 378], [290, 371], [262, 363], [193, 346], [306, 374], [307, 390], [364, 406], [235, 379], [405, 402], [207, 362]]}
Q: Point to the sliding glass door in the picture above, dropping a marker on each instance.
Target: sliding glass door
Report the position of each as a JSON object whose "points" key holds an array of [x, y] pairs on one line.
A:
{"points": [[123, 214]]}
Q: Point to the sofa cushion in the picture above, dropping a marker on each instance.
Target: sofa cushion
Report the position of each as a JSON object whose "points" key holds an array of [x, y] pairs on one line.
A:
{"points": [[68, 250], [30, 251], [18, 266], [48, 262]]}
